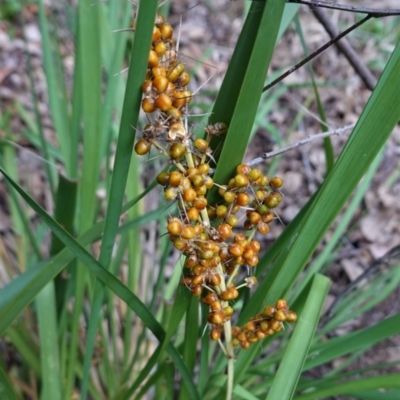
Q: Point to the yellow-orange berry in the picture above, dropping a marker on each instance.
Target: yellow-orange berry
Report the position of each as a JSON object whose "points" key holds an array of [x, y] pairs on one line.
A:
{"points": [[188, 232], [215, 318], [215, 334], [225, 231], [241, 180], [232, 220], [160, 48], [276, 182], [179, 99], [221, 211], [200, 203], [269, 311], [281, 304], [153, 59], [230, 197], [254, 174], [166, 31], [148, 105], [273, 200], [201, 145], [184, 78], [243, 199], [177, 150], [243, 169], [291, 316], [160, 84], [189, 195], [142, 147], [262, 228], [147, 86], [193, 214], [163, 102], [156, 34], [174, 113], [159, 70], [174, 73], [174, 227], [280, 315], [197, 290], [175, 178]]}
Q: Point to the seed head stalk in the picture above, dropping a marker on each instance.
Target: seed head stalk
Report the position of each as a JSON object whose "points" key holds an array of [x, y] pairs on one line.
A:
{"points": [[207, 233]]}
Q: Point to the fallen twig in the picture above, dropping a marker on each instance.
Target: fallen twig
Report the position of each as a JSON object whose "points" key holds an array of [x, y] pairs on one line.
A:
{"points": [[302, 142]]}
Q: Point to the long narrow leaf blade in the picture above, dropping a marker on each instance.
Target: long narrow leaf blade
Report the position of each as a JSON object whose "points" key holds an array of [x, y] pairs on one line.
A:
{"points": [[289, 371]]}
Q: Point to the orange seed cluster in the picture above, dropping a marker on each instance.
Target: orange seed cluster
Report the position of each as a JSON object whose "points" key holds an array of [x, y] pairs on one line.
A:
{"points": [[264, 324], [216, 244]]}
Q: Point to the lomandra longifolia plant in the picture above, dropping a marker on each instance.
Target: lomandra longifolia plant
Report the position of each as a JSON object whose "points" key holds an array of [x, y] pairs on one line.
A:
{"points": [[209, 235]]}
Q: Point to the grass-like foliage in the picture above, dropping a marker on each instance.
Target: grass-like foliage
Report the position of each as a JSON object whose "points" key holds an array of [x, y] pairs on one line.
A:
{"points": [[90, 317]]}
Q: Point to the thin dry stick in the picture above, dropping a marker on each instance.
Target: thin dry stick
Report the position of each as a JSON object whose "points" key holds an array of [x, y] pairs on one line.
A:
{"points": [[317, 52], [345, 47], [292, 146], [375, 12]]}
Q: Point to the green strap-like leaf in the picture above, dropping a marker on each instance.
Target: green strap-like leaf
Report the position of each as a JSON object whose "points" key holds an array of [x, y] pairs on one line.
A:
{"points": [[290, 368], [240, 93], [112, 282]]}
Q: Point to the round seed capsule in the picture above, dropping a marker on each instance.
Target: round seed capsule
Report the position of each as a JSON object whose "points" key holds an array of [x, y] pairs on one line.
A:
{"points": [[153, 59], [170, 193], [241, 180], [179, 99], [215, 318], [221, 211], [200, 203], [236, 250], [160, 84], [148, 105], [254, 174], [162, 178], [280, 315], [210, 298], [175, 178], [193, 214], [177, 150], [197, 290], [269, 311], [163, 102], [184, 78], [245, 345], [215, 334], [201, 145], [175, 72], [281, 304], [166, 31], [232, 220], [142, 147], [156, 34], [243, 169], [174, 227], [159, 71], [230, 197], [243, 199], [174, 113], [160, 48], [189, 195], [225, 231], [273, 200], [276, 182], [204, 169], [147, 86], [262, 228], [291, 316]]}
